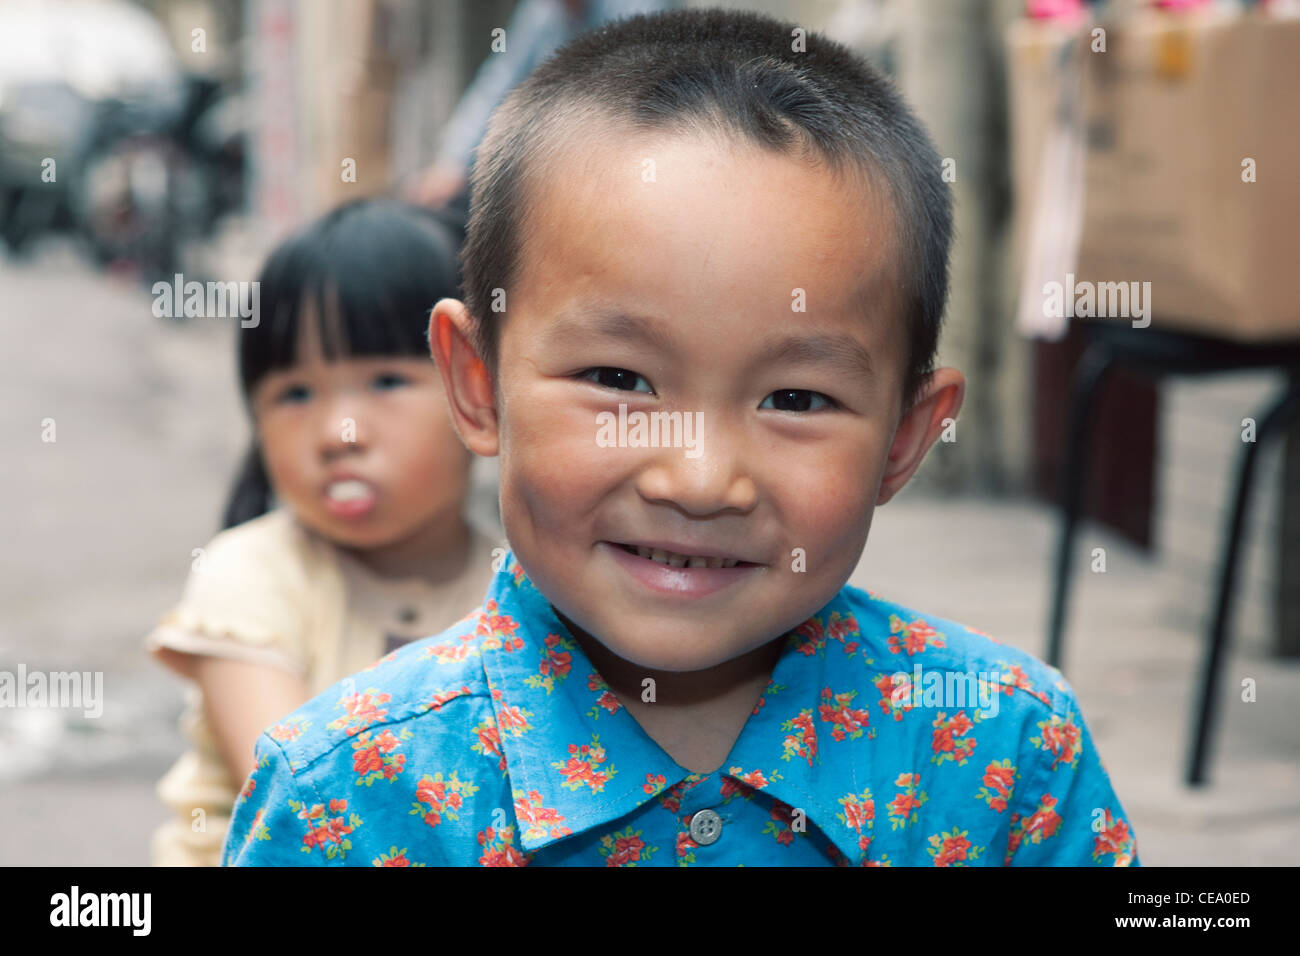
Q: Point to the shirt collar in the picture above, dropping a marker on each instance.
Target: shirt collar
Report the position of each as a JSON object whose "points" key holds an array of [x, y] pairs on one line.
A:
{"points": [[578, 760]]}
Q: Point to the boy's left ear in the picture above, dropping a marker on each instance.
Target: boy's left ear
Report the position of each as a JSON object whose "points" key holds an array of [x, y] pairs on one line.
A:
{"points": [[935, 408]]}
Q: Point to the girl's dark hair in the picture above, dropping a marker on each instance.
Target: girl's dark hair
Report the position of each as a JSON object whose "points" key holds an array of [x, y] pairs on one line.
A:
{"points": [[704, 71], [368, 272]]}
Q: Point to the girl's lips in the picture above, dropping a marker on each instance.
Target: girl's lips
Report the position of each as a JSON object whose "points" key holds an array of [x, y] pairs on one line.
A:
{"points": [[676, 582], [349, 498]]}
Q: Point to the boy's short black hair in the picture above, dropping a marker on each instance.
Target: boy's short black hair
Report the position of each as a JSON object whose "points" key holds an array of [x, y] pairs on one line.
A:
{"points": [[715, 71]]}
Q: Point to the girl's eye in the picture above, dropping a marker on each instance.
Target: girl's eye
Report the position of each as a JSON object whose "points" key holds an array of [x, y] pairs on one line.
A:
{"points": [[293, 394], [619, 378], [796, 400], [388, 380]]}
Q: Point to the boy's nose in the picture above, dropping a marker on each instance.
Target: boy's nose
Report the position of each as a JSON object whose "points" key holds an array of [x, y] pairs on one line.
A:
{"points": [[711, 477]]}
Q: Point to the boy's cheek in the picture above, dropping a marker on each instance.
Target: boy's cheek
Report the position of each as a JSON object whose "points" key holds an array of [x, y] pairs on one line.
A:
{"points": [[553, 451]]}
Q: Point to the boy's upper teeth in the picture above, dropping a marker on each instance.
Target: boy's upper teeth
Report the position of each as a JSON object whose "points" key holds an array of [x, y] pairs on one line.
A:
{"points": [[684, 560]]}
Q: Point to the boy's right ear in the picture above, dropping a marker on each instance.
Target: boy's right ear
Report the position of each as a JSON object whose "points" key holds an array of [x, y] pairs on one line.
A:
{"points": [[465, 378]]}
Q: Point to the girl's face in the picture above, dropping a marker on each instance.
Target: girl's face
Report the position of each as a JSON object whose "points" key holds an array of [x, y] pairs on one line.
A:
{"points": [[361, 449]]}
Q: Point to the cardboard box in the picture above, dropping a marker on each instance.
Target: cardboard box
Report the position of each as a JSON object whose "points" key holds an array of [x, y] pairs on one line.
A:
{"points": [[1173, 113]]}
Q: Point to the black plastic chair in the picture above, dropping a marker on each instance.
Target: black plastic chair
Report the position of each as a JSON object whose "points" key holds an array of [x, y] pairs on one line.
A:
{"points": [[1158, 352]]}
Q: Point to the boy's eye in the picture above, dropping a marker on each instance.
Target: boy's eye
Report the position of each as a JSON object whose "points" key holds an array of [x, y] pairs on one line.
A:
{"points": [[292, 394], [388, 380], [796, 400], [619, 378]]}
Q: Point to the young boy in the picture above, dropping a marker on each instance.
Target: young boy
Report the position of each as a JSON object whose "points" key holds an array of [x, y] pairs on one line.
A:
{"points": [[668, 667]]}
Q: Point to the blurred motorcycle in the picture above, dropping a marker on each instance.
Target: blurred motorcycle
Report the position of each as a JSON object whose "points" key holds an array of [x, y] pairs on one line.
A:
{"points": [[102, 134]]}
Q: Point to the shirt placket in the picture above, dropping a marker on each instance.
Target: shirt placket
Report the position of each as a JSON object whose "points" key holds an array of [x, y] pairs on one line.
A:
{"points": [[705, 818]]}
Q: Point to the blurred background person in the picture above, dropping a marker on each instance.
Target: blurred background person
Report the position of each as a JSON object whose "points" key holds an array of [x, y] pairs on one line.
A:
{"points": [[536, 29], [345, 534]]}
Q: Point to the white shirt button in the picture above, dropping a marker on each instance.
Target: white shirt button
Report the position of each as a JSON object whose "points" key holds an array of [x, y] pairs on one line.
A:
{"points": [[706, 827]]}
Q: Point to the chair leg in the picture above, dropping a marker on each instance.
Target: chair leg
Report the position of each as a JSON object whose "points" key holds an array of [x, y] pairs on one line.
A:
{"points": [[1275, 418], [1088, 377]]}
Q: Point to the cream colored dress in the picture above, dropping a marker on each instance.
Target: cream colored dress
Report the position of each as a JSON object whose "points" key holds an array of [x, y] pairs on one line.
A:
{"points": [[274, 592]]}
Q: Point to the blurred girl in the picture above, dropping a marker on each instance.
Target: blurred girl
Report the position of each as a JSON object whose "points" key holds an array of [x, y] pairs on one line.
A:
{"points": [[367, 546]]}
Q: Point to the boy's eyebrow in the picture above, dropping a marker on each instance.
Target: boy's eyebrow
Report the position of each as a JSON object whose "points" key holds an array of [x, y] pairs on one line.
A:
{"points": [[608, 324], [843, 352]]}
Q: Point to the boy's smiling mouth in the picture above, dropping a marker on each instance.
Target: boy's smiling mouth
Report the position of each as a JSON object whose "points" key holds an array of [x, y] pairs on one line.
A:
{"points": [[678, 556], [683, 573]]}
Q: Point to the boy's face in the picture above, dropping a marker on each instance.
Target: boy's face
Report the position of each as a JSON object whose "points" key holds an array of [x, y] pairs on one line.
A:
{"points": [[757, 297]]}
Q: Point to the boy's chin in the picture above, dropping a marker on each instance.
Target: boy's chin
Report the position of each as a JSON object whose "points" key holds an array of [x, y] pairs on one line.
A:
{"points": [[674, 652]]}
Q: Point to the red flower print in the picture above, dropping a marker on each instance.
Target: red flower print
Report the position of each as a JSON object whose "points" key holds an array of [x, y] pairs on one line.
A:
{"points": [[452, 653], [859, 812], [810, 637], [556, 662], [913, 637], [437, 798], [285, 732], [671, 799], [258, 829], [1018, 678], [999, 781], [443, 696], [1045, 821], [581, 767], [1061, 738], [538, 821], [902, 805], [514, 720], [1115, 838], [889, 691], [499, 850], [624, 848], [497, 630], [900, 809], [394, 857], [754, 778], [488, 742], [360, 711], [1039, 826], [781, 825], [945, 744], [951, 849], [731, 787], [835, 709], [803, 741], [686, 846], [329, 833], [842, 626]]}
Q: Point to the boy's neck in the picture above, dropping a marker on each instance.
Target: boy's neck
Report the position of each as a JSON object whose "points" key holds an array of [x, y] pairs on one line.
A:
{"points": [[437, 552], [696, 716]]}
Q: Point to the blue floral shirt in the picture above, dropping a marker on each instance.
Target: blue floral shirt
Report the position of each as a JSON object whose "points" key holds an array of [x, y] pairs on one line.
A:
{"points": [[885, 737]]}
